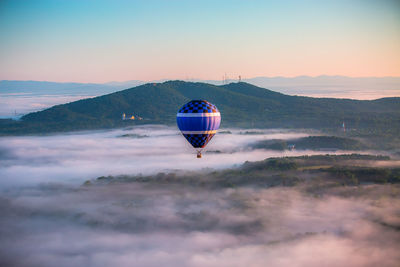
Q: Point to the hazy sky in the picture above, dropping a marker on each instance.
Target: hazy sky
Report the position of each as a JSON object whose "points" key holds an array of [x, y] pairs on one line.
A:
{"points": [[100, 41]]}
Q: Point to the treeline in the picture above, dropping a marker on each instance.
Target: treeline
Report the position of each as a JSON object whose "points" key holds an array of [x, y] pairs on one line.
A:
{"points": [[330, 170], [312, 142]]}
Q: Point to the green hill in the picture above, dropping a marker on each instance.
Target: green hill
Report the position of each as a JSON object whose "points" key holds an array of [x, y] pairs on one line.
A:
{"points": [[241, 105]]}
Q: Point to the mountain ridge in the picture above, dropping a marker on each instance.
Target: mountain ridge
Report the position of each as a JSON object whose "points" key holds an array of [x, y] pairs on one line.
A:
{"points": [[315, 86], [241, 105]]}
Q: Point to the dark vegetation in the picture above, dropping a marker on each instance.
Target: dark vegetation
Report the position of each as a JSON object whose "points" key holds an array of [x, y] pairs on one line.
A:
{"points": [[321, 171], [133, 136], [312, 142], [241, 105]]}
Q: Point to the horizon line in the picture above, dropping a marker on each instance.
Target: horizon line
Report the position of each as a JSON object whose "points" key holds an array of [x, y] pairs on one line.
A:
{"points": [[200, 79]]}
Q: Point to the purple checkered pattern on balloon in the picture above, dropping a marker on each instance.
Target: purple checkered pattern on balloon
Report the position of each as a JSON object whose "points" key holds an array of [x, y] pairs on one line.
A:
{"points": [[198, 106], [198, 140]]}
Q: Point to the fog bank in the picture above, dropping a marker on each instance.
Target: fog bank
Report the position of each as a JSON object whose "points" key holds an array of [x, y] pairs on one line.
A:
{"points": [[50, 219], [176, 225], [77, 157]]}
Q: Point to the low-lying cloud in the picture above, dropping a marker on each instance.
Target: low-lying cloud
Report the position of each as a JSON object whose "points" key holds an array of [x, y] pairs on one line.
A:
{"points": [[50, 219], [15, 105], [147, 225], [81, 156]]}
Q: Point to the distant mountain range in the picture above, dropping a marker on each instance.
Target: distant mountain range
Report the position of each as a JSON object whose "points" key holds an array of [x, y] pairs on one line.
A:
{"points": [[241, 105], [320, 86], [364, 88]]}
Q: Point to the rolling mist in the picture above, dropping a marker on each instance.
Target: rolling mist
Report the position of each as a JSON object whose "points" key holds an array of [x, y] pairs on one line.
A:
{"points": [[49, 218], [76, 157], [177, 225]]}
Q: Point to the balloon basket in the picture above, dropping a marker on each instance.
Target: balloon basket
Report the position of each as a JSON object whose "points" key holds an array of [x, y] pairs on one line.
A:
{"points": [[199, 155]]}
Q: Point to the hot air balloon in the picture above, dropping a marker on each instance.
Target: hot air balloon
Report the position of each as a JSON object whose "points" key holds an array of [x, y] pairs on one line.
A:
{"points": [[198, 121]]}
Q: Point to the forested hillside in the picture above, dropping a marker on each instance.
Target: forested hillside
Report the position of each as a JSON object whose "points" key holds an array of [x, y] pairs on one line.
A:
{"points": [[241, 105]]}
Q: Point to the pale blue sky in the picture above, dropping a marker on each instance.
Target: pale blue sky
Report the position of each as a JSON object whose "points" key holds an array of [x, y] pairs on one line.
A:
{"points": [[99, 41]]}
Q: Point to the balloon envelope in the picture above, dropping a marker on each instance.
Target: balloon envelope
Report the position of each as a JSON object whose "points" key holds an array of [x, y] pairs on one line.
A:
{"points": [[198, 121]]}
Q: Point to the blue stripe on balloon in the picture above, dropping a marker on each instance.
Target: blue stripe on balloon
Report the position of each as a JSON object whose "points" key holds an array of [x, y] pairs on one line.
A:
{"points": [[198, 123]]}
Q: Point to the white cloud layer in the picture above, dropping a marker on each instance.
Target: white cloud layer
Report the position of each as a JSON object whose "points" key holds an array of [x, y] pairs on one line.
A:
{"points": [[48, 219], [137, 225], [18, 104], [80, 156]]}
